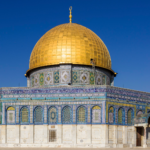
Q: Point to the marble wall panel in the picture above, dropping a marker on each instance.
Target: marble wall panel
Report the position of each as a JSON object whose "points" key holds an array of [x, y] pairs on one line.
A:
{"points": [[12, 134], [40, 134]]}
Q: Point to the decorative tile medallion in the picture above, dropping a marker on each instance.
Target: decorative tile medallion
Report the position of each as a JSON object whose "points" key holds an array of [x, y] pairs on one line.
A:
{"points": [[91, 78], [36, 80], [48, 76], [56, 77], [84, 77], [65, 76], [75, 77], [41, 79], [99, 79]]}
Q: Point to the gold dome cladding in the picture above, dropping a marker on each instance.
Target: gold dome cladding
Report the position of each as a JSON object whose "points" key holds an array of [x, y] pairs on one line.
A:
{"points": [[69, 43]]}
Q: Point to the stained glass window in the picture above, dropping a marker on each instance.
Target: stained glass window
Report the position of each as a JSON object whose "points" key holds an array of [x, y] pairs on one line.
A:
{"points": [[38, 115], [24, 115], [120, 115], [66, 115], [111, 115], [11, 115], [103, 80], [81, 114], [52, 115], [129, 116], [96, 114]]}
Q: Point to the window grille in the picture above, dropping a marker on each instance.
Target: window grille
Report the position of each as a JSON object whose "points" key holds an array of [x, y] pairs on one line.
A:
{"points": [[11, 115], [52, 115], [81, 115], [66, 115], [24, 115], [129, 116], [38, 117], [120, 115], [52, 135], [96, 114], [111, 115]]}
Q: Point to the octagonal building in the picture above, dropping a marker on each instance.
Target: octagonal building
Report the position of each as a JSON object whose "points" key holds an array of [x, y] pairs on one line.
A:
{"points": [[70, 99]]}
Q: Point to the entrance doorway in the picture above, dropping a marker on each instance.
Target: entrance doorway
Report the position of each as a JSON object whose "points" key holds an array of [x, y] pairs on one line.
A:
{"points": [[149, 122], [139, 136]]}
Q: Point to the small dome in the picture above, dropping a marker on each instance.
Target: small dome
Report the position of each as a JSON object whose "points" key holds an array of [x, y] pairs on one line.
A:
{"points": [[69, 43]]}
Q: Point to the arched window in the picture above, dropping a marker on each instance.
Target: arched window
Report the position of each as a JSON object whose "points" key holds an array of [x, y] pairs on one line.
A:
{"points": [[103, 80], [129, 116], [24, 115], [120, 115], [52, 115], [11, 115], [139, 113], [66, 115], [81, 115], [96, 114], [111, 115], [38, 115]]}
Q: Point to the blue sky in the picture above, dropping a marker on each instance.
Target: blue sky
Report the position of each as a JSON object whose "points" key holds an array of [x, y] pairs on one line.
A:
{"points": [[123, 25]]}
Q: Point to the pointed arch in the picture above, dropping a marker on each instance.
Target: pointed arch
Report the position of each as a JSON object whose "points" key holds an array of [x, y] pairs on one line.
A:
{"points": [[81, 114], [52, 115], [120, 115], [96, 114], [111, 114], [10, 115], [67, 115], [38, 115], [129, 116], [24, 117]]}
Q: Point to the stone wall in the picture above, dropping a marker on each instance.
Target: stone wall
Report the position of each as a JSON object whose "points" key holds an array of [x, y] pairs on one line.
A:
{"points": [[67, 136]]}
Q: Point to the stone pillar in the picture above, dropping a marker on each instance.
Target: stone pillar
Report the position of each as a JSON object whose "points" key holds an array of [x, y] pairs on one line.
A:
{"points": [[134, 136], [125, 134], [144, 137], [115, 135], [106, 134], [74, 134]]}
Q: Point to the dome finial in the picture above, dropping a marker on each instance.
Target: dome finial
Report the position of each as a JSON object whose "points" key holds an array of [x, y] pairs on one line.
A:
{"points": [[70, 16]]}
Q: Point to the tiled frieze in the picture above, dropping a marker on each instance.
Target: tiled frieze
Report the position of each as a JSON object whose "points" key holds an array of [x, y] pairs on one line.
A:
{"points": [[88, 91], [62, 75]]}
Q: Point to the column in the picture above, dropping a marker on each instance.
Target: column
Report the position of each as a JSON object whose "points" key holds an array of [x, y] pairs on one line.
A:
{"points": [[125, 133], [134, 136], [115, 135], [144, 137]]}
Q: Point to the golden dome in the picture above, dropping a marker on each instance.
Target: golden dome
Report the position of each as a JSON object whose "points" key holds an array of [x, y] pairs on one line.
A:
{"points": [[69, 43]]}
